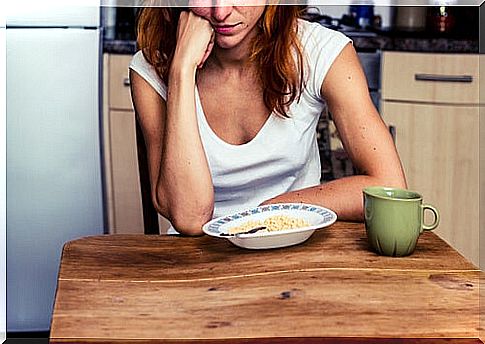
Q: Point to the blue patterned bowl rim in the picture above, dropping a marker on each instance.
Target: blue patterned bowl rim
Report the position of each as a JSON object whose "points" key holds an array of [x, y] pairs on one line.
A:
{"points": [[213, 227]]}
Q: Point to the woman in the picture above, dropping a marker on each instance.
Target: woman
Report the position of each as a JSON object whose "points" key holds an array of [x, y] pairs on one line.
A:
{"points": [[229, 97]]}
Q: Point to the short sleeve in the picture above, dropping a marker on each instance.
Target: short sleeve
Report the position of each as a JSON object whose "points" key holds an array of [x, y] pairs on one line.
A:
{"points": [[140, 65], [321, 46]]}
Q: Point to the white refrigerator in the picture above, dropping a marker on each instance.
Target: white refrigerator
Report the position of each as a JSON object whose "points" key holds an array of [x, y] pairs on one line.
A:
{"points": [[54, 183]]}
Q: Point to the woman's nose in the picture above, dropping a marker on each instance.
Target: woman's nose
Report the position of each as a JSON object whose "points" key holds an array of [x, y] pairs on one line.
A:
{"points": [[222, 9]]}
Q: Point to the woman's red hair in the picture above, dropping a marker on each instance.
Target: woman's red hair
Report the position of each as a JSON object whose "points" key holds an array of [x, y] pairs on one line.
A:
{"points": [[276, 50]]}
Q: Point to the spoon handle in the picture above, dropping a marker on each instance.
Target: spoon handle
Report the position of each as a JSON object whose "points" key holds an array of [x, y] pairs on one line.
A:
{"points": [[251, 231]]}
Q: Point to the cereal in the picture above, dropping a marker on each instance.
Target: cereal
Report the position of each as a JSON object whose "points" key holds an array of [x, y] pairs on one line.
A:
{"points": [[273, 223]]}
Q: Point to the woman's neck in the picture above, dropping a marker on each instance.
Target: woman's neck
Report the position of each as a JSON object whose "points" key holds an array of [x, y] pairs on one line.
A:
{"points": [[228, 68], [229, 58]]}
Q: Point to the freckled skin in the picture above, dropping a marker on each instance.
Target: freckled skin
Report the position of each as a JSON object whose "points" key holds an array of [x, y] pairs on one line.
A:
{"points": [[182, 187]]}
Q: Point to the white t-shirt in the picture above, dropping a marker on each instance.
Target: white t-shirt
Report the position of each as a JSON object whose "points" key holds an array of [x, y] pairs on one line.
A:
{"points": [[284, 155]]}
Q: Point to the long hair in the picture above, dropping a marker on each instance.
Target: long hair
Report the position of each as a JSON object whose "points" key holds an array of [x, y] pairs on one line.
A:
{"points": [[276, 50]]}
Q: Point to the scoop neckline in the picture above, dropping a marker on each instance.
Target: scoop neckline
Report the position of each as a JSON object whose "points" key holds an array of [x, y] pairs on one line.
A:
{"points": [[216, 137]]}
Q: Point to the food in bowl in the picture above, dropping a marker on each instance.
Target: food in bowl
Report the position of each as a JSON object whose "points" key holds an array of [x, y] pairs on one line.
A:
{"points": [[273, 223], [314, 216]]}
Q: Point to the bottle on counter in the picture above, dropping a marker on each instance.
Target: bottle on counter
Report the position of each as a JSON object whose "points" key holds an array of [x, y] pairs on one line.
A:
{"points": [[441, 19]]}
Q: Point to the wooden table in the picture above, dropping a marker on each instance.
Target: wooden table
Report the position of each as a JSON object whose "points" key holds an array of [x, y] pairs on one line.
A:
{"points": [[330, 289]]}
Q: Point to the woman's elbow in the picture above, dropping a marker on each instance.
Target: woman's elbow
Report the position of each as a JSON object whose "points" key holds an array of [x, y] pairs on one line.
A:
{"points": [[185, 221], [402, 183], [395, 180], [190, 222], [192, 227]]}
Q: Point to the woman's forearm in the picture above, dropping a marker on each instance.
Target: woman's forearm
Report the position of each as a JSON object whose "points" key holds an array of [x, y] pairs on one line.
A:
{"points": [[184, 190], [343, 196]]}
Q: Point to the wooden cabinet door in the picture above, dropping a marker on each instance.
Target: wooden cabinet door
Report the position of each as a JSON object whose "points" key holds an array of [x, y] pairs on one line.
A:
{"points": [[430, 77], [119, 82], [439, 149], [125, 188]]}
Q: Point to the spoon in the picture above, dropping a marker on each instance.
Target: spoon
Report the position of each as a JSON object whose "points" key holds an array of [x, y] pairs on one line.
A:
{"points": [[251, 231]]}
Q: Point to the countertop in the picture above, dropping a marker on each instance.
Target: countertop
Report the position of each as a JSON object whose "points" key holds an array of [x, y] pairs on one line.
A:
{"points": [[417, 42], [379, 40], [119, 46]]}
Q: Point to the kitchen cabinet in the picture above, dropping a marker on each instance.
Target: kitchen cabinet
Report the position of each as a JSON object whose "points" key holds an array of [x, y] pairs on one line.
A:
{"points": [[122, 180], [432, 100]]}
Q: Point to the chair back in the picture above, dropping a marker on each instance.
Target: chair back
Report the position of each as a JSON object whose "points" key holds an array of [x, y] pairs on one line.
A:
{"points": [[150, 215]]}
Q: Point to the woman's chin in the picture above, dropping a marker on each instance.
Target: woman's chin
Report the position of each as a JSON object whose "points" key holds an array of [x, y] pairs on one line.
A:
{"points": [[227, 42], [224, 44]]}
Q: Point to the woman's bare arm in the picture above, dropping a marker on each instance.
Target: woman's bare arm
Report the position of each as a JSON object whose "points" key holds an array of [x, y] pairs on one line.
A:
{"points": [[365, 138], [181, 183], [151, 111], [176, 164]]}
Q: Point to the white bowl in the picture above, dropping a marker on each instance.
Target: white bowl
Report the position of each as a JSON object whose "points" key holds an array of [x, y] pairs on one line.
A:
{"points": [[317, 217]]}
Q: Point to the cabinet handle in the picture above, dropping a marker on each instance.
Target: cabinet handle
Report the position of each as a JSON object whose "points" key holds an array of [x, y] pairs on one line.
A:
{"points": [[392, 131], [443, 78], [126, 82]]}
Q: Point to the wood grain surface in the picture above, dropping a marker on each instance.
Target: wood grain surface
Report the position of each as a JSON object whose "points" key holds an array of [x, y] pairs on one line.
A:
{"points": [[399, 82], [279, 340], [143, 258], [129, 288]]}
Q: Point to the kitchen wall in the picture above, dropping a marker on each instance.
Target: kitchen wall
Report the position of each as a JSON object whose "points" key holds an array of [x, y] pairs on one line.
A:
{"points": [[386, 12]]}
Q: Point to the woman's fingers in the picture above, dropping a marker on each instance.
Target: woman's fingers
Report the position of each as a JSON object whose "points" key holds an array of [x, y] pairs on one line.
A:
{"points": [[195, 38], [208, 51]]}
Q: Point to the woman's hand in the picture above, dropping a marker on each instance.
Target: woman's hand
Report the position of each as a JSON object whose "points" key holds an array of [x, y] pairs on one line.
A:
{"points": [[195, 40]]}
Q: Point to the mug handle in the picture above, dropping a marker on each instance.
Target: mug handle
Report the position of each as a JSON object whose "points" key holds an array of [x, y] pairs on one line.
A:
{"points": [[436, 217]]}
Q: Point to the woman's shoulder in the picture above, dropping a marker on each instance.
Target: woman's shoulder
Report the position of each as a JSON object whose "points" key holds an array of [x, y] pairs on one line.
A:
{"points": [[321, 47], [138, 58], [140, 65], [314, 35]]}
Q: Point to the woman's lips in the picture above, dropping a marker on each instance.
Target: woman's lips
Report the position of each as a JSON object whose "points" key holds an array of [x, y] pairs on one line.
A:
{"points": [[225, 29]]}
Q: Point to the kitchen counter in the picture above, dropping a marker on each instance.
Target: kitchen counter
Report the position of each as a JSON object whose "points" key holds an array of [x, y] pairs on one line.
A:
{"points": [[392, 41], [416, 42], [118, 46]]}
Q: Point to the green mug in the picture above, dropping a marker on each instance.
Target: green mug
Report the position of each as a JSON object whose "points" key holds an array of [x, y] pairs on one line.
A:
{"points": [[394, 219]]}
